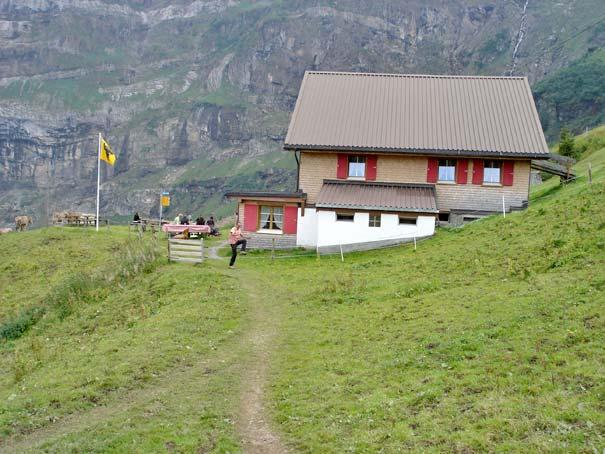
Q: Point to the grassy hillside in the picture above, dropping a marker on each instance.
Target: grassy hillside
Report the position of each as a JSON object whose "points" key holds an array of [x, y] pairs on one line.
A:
{"points": [[149, 334], [487, 338]]}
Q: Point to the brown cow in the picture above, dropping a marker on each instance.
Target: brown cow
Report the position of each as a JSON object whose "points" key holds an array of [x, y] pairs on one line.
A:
{"points": [[22, 222]]}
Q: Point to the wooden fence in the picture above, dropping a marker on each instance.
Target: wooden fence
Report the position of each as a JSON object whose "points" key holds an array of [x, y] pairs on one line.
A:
{"points": [[191, 251]]}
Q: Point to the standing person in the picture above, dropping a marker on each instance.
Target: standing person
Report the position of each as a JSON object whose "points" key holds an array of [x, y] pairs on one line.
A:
{"points": [[235, 239]]}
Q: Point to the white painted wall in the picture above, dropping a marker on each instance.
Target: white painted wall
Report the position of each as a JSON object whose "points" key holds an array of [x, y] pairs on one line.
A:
{"points": [[306, 232], [320, 228]]}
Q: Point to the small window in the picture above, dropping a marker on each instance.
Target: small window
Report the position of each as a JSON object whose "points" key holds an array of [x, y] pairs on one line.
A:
{"points": [[407, 220], [345, 217], [271, 218], [375, 220], [444, 217], [357, 167], [469, 219], [491, 172], [447, 170]]}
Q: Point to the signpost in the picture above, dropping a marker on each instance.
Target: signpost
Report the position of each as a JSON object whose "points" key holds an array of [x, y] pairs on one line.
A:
{"points": [[164, 202]]}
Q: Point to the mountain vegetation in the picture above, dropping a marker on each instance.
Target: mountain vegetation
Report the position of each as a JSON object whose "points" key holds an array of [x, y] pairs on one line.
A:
{"points": [[195, 95], [486, 338], [573, 97]]}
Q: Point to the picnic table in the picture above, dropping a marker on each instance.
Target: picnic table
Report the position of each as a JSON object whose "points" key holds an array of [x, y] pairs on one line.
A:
{"points": [[174, 229]]}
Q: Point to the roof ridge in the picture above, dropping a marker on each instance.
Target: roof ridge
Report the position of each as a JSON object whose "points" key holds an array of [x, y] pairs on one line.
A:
{"points": [[415, 76]]}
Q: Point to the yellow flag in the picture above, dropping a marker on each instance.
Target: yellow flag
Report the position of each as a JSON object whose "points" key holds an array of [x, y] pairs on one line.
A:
{"points": [[107, 153]]}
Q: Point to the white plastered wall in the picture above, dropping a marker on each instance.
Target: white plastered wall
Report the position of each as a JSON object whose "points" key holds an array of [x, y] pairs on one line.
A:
{"points": [[306, 232], [320, 228]]}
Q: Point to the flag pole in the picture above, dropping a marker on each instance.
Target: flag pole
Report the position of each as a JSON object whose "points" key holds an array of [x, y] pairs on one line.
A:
{"points": [[98, 179]]}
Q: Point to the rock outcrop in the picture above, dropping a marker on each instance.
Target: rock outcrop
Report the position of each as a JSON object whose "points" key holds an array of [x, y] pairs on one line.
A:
{"points": [[198, 93]]}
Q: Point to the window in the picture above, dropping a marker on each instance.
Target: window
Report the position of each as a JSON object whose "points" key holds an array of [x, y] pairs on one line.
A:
{"points": [[447, 170], [345, 217], [271, 218], [357, 167], [406, 221], [491, 172], [375, 220]]}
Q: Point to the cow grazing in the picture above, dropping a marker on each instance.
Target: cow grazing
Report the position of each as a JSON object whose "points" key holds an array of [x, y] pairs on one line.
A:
{"points": [[22, 222]]}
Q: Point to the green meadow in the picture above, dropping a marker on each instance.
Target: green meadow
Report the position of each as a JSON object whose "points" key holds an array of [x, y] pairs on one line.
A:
{"points": [[487, 338]]}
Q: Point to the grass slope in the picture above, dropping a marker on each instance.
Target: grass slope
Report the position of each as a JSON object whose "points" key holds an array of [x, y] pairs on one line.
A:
{"points": [[130, 364], [487, 338]]}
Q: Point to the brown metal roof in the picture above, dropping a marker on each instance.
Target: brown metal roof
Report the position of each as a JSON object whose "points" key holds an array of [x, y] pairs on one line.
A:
{"points": [[364, 195], [266, 194], [456, 115]]}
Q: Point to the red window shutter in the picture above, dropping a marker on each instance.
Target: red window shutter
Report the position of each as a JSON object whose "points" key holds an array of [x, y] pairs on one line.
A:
{"points": [[290, 219], [342, 169], [477, 171], [432, 171], [462, 174], [371, 166], [508, 171], [250, 217]]}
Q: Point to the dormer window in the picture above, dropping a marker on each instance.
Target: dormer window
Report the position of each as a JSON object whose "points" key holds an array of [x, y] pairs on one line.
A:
{"points": [[357, 167]]}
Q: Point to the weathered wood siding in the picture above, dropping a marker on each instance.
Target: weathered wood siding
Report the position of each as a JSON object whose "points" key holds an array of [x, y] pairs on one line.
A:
{"points": [[316, 167], [473, 197]]}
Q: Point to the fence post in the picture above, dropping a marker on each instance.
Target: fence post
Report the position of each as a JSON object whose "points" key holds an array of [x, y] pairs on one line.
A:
{"points": [[272, 249], [342, 257], [168, 250], [202, 248], [503, 207], [589, 173]]}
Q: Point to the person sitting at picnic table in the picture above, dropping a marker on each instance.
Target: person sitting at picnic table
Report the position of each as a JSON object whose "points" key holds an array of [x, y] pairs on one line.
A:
{"points": [[211, 224], [184, 220], [200, 220], [236, 238], [178, 219], [136, 217]]}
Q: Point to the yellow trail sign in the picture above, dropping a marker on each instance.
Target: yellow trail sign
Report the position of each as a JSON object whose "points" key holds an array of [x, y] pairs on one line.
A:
{"points": [[165, 201]]}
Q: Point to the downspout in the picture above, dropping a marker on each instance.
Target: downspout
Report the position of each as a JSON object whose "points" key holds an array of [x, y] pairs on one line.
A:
{"points": [[297, 157]]}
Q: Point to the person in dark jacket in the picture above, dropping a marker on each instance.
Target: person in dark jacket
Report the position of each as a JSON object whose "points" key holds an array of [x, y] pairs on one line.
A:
{"points": [[200, 220], [210, 223]]}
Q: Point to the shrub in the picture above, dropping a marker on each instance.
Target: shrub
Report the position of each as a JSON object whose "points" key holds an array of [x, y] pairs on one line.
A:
{"points": [[567, 146], [15, 328]]}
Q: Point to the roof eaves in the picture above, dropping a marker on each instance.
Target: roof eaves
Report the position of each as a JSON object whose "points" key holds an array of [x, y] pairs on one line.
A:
{"points": [[417, 151], [266, 194], [375, 208]]}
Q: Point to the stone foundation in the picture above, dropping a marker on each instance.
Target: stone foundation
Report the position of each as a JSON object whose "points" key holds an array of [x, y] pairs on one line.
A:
{"points": [[265, 241]]}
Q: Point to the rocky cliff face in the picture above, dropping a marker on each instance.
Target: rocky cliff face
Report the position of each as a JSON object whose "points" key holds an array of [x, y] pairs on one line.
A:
{"points": [[195, 96]]}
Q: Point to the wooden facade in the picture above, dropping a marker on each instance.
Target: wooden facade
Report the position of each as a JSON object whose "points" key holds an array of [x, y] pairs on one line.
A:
{"points": [[460, 195]]}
